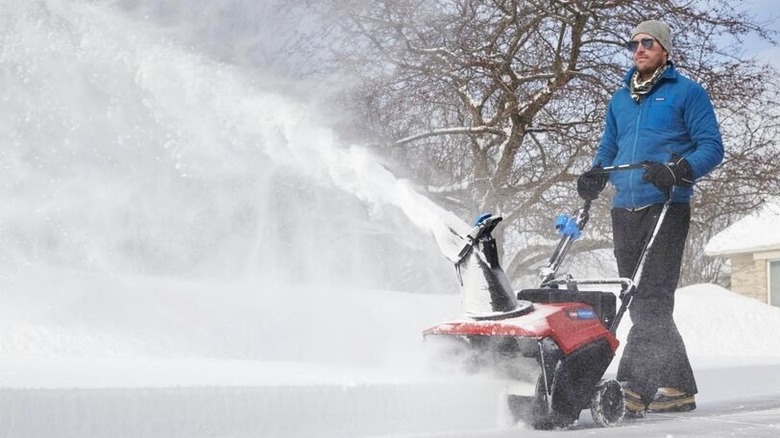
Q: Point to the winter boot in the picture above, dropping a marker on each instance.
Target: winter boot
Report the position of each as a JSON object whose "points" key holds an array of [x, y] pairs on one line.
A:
{"points": [[671, 400], [635, 406]]}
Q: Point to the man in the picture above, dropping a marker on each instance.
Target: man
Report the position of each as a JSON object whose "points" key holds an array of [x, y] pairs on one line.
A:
{"points": [[666, 121]]}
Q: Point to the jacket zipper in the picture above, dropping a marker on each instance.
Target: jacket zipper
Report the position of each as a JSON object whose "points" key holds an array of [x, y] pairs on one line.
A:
{"points": [[633, 150]]}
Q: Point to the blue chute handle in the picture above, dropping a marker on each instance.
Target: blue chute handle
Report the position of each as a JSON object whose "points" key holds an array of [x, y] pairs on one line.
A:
{"points": [[481, 218], [571, 229], [561, 221], [567, 226]]}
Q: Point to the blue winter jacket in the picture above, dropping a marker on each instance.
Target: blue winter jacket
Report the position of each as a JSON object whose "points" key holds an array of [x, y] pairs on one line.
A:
{"points": [[675, 118]]}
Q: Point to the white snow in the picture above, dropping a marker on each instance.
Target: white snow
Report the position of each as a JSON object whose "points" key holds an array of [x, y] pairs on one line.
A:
{"points": [[186, 252], [150, 356], [755, 232], [63, 337], [719, 324]]}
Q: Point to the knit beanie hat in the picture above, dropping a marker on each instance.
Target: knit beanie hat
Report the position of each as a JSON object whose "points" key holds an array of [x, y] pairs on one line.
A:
{"points": [[658, 30]]}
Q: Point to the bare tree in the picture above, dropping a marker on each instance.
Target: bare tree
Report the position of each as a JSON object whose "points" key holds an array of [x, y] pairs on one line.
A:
{"points": [[497, 105]]}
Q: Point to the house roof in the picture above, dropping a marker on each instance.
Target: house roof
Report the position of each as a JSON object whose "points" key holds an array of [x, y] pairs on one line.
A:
{"points": [[754, 233]]}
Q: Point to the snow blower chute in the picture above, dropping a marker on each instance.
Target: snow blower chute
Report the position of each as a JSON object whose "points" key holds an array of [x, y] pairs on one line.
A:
{"points": [[552, 344]]}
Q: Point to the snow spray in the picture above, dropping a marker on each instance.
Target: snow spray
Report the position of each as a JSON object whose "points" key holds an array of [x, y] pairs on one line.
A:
{"points": [[126, 152]]}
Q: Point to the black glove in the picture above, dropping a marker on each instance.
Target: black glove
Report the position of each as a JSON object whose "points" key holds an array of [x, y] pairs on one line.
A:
{"points": [[591, 183], [666, 175]]}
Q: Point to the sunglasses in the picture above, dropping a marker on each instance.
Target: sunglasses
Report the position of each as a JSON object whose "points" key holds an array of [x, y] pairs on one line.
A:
{"points": [[647, 43]]}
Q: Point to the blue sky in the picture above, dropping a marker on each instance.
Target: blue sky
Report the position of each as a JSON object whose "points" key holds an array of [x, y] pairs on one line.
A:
{"points": [[768, 10]]}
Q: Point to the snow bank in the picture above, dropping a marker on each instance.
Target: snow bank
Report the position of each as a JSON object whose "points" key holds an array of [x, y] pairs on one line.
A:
{"points": [[718, 323], [63, 313]]}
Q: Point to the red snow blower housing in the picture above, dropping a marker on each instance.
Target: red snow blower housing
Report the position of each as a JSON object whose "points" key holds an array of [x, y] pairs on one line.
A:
{"points": [[552, 344]]}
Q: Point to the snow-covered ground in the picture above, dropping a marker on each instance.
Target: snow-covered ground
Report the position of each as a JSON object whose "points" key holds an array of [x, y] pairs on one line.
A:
{"points": [[73, 365], [185, 252]]}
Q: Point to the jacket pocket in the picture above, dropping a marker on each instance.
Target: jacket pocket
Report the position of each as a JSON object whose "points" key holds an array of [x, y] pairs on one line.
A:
{"points": [[659, 112]]}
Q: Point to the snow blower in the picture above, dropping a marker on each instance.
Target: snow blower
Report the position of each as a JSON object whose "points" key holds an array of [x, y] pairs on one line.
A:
{"points": [[552, 344]]}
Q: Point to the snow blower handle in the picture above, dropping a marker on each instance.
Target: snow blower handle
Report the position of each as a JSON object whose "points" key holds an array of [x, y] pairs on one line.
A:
{"points": [[646, 165], [570, 227], [609, 169]]}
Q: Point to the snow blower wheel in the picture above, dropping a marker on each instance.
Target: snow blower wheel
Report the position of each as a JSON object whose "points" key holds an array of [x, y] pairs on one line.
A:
{"points": [[607, 405]]}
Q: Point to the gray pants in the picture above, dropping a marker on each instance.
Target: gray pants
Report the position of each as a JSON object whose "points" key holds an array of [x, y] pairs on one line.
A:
{"points": [[654, 355]]}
